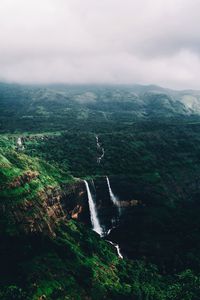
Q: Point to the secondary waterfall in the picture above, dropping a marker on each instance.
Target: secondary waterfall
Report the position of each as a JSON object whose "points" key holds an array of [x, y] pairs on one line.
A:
{"points": [[19, 141], [93, 213], [112, 196], [115, 202], [19, 144], [99, 158], [117, 248]]}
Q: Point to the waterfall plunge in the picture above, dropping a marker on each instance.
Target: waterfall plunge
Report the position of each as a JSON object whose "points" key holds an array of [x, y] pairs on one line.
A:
{"points": [[117, 248], [115, 202], [101, 149], [112, 196], [93, 213], [19, 142]]}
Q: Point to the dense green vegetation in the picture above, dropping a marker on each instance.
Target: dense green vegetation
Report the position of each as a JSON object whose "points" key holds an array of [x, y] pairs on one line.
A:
{"points": [[90, 108], [140, 149], [152, 145], [23, 180], [17, 167], [77, 265]]}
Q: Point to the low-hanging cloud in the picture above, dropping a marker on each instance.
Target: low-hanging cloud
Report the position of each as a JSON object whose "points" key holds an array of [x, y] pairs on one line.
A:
{"points": [[107, 41]]}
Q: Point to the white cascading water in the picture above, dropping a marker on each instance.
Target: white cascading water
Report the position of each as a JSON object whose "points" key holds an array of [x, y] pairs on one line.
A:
{"points": [[117, 248], [94, 218], [115, 202], [102, 155], [99, 148], [112, 196], [19, 141], [97, 140], [93, 213], [20, 144]]}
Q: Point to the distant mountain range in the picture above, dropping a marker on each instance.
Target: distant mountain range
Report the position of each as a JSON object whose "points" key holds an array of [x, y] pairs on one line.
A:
{"points": [[62, 105]]}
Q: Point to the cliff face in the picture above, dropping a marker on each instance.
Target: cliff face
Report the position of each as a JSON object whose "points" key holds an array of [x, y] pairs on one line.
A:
{"points": [[33, 197], [51, 205], [41, 214], [75, 201], [70, 201]]}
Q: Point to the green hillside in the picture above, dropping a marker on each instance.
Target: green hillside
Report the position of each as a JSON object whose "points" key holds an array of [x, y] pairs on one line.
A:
{"points": [[48, 146]]}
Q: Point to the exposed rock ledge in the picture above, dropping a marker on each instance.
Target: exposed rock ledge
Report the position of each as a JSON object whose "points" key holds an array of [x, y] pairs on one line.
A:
{"points": [[129, 203], [49, 207]]}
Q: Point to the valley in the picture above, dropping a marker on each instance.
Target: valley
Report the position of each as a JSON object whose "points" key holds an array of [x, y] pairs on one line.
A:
{"points": [[123, 161]]}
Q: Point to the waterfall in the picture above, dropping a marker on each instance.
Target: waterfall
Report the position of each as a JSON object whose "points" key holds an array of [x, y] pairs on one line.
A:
{"points": [[99, 158], [117, 248], [102, 155], [19, 144], [19, 141], [97, 140], [115, 202], [93, 213], [94, 217], [112, 196]]}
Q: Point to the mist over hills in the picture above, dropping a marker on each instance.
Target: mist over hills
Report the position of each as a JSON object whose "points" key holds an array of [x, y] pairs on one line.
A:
{"points": [[60, 106]]}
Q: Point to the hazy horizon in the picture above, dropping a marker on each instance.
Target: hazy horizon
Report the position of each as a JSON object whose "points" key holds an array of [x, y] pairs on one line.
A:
{"points": [[112, 85], [112, 42]]}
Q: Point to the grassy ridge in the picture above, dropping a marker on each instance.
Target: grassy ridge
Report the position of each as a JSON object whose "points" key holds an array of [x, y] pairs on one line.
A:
{"points": [[23, 181]]}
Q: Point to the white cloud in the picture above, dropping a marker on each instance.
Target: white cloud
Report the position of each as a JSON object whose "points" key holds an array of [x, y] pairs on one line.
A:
{"points": [[109, 41]]}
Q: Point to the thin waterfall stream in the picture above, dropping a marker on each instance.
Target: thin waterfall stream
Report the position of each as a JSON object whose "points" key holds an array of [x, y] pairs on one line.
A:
{"points": [[117, 248], [114, 200], [101, 149], [112, 196]]}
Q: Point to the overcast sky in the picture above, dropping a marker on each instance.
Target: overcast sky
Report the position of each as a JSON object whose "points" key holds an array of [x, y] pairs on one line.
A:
{"points": [[101, 41]]}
